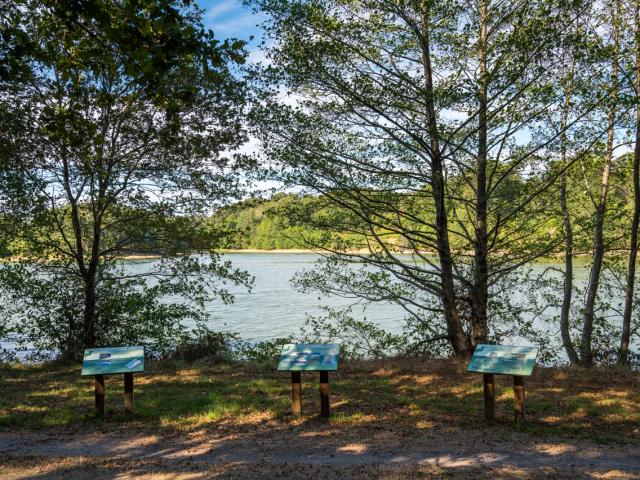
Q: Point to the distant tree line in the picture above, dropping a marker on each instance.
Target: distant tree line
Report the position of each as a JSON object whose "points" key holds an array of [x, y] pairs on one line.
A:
{"points": [[282, 221]]}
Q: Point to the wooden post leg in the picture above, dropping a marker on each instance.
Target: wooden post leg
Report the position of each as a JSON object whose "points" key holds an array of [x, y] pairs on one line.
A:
{"points": [[128, 392], [296, 392], [99, 395], [324, 394], [489, 380], [518, 395]]}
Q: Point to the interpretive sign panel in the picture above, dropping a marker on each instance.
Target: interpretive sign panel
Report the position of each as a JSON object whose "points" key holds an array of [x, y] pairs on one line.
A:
{"points": [[106, 361], [503, 359], [309, 357]]}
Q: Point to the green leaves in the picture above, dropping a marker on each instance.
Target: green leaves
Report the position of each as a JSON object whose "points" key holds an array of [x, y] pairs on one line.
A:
{"points": [[124, 119]]}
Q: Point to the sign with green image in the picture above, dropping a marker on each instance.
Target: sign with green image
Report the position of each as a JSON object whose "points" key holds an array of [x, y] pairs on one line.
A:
{"points": [[111, 360], [503, 359], [309, 357]]}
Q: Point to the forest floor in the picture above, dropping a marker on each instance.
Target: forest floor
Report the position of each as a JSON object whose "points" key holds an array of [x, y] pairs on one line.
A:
{"points": [[390, 419]]}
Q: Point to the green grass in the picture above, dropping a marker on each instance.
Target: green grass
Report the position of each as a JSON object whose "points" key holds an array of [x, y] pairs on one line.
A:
{"points": [[398, 395]]}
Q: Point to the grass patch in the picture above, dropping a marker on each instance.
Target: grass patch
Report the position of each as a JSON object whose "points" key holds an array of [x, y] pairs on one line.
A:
{"points": [[411, 396]]}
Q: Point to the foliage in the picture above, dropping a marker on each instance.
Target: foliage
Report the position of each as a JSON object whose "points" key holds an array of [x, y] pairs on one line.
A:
{"points": [[358, 339], [419, 123], [265, 351], [203, 342], [127, 110], [43, 309], [270, 224]]}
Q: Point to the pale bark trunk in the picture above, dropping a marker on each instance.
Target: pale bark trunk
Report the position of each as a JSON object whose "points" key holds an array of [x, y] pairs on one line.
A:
{"points": [[565, 310], [625, 339], [586, 352]]}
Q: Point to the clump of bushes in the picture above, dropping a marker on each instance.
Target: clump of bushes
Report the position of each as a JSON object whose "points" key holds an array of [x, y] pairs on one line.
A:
{"points": [[206, 343], [265, 351], [203, 342]]}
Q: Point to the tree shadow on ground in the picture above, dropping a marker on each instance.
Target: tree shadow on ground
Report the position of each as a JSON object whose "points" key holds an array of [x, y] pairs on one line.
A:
{"points": [[385, 415], [98, 470]]}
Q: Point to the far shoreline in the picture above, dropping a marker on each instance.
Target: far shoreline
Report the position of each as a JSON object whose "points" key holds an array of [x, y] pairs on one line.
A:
{"points": [[580, 257], [276, 250]]}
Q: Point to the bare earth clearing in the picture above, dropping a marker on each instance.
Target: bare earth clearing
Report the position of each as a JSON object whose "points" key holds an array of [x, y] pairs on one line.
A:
{"points": [[396, 419]]}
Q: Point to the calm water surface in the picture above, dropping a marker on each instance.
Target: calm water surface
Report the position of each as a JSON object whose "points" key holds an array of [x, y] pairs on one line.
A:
{"points": [[274, 308]]}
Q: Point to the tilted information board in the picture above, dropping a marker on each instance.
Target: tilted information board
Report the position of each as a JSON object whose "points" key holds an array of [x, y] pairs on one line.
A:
{"points": [[112, 360], [309, 357], [503, 359]]}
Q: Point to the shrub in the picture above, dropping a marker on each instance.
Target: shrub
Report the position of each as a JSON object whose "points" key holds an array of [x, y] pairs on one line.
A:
{"points": [[265, 351], [205, 343]]}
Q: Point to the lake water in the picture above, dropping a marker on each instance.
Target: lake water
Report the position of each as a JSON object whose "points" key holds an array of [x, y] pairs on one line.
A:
{"points": [[274, 308]]}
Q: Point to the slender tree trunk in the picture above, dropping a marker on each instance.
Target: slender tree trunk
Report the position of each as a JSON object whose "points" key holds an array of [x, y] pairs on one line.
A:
{"points": [[89, 313], [479, 295], [565, 309], [586, 352], [88, 326], [90, 288], [625, 339], [455, 331]]}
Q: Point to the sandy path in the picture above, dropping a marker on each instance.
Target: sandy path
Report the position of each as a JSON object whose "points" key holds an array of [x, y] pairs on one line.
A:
{"points": [[289, 447]]}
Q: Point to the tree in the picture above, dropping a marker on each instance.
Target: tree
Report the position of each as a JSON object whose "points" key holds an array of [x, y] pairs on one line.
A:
{"points": [[600, 203], [585, 202], [419, 119], [127, 110], [625, 338]]}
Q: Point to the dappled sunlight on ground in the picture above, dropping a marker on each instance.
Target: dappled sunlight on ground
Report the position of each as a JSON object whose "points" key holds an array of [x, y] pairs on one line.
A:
{"points": [[554, 449], [427, 412], [424, 425], [552, 419], [354, 448], [614, 474], [383, 372], [318, 433]]}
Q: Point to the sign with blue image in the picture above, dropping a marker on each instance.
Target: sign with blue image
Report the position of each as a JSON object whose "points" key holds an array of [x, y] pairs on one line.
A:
{"points": [[309, 357], [503, 359], [111, 360]]}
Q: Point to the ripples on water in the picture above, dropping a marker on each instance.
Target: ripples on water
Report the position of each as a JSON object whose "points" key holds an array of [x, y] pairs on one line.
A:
{"points": [[273, 308]]}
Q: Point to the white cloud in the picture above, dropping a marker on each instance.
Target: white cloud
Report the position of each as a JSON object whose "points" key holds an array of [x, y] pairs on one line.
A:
{"points": [[222, 8]]}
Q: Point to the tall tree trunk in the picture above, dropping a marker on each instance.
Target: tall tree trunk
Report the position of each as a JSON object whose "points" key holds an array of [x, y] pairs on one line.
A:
{"points": [[625, 339], [90, 283], [586, 352], [455, 332], [479, 295], [565, 309]]}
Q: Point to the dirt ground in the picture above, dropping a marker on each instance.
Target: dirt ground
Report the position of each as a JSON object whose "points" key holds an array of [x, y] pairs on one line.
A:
{"points": [[397, 420], [305, 451]]}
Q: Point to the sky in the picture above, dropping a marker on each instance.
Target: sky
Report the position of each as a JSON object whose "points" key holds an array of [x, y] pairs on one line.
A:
{"points": [[230, 19]]}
